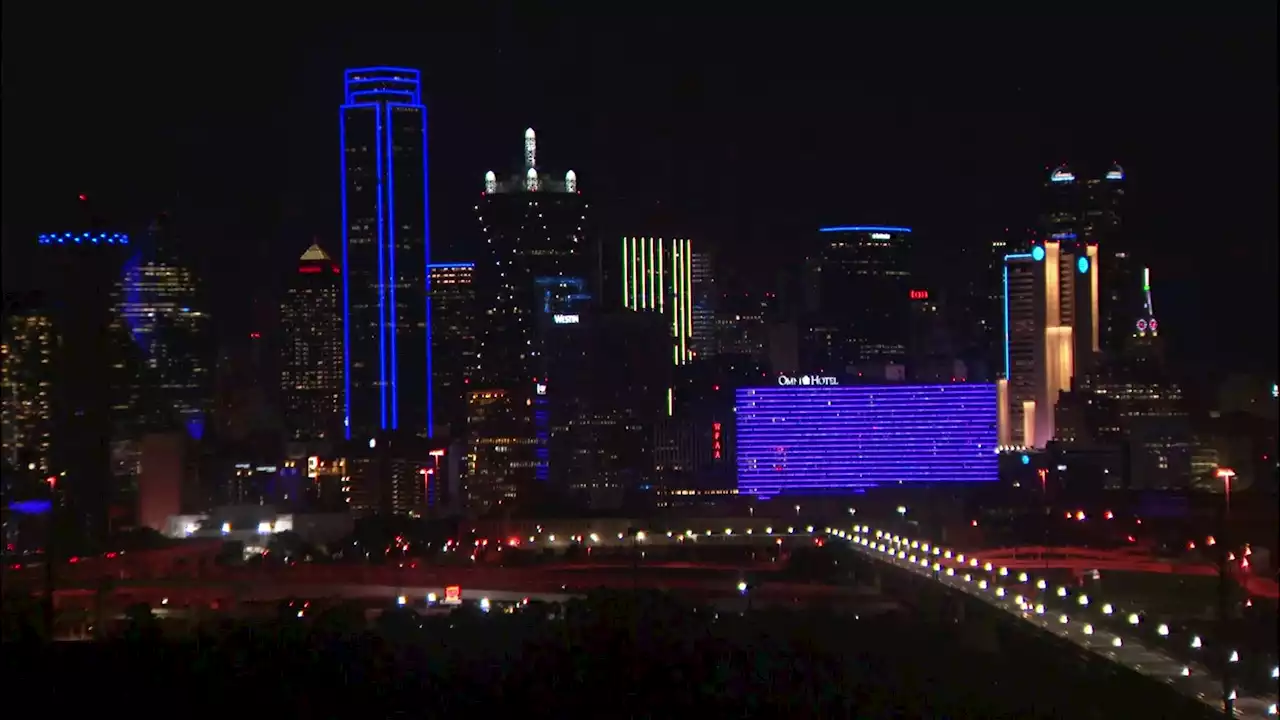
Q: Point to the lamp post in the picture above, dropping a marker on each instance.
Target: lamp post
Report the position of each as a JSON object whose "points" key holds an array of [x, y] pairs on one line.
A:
{"points": [[1225, 610]]}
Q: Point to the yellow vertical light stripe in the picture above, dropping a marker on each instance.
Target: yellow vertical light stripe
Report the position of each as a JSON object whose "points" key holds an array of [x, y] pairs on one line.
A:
{"points": [[626, 281], [644, 284], [662, 284], [653, 274], [671, 402], [675, 301]]}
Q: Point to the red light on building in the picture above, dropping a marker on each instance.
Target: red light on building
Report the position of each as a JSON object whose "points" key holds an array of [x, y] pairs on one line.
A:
{"points": [[309, 269], [919, 294], [715, 441]]}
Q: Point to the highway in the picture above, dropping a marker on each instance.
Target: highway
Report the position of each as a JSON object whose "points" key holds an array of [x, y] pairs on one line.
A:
{"points": [[1028, 598]]}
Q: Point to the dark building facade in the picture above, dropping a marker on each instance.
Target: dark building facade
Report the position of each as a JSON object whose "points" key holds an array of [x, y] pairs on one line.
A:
{"points": [[386, 248], [311, 336], [79, 270], [857, 319]]}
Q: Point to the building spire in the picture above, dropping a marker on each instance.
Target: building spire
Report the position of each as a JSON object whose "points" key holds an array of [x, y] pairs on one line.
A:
{"points": [[530, 149]]}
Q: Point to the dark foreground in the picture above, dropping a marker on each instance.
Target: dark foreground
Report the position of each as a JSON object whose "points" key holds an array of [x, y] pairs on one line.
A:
{"points": [[614, 656]]}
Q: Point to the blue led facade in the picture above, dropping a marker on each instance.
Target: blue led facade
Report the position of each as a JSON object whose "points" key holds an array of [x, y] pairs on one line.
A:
{"points": [[386, 249], [831, 440], [84, 238]]}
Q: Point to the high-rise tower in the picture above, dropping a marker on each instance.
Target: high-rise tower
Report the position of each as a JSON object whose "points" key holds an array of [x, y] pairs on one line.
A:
{"points": [[311, 369], [453, 310], [26, 405], [531, 281], [159, 305], [657, 276], [1051, 333], [860, 284], [1088, 211], [386, 246]]}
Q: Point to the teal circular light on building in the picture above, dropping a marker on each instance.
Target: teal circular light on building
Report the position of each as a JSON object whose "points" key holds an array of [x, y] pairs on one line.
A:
{"points": [[1026, 459], [1037, 253], [1082, 264]]}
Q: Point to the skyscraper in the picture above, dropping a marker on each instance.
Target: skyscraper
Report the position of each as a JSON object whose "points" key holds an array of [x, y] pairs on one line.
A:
{"points": [[531, 279], [159, 305], [860, 282], [1088, 211], [702, 272], [1051, 335], [453, 312], [82, 267], [26, 404], [311, 369], [386, 246], [657, 276]]}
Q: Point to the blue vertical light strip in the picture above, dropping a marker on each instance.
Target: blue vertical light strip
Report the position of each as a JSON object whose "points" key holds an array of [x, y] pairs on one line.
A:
{"points": [[391, 250], [382, 276], [346, 291], [426, 245], [1008, 367]]}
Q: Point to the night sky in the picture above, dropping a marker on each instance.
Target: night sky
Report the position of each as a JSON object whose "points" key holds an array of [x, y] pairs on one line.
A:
{"points": [[745, 131]]}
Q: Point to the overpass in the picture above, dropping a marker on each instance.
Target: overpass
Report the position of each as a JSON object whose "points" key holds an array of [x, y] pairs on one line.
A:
{"points": [[1127, 636], [1085, 559]]}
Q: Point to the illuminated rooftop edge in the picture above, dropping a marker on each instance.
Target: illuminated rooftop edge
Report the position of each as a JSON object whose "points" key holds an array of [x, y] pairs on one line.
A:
{"points": [[865, 228], [81, 238]]}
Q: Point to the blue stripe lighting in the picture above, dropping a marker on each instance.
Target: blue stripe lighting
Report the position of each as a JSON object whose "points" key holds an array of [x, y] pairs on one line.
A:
{"points": [[865, 228], [83, 238], [383, 90], [835, 440], [434, 266], [1005, 298]]}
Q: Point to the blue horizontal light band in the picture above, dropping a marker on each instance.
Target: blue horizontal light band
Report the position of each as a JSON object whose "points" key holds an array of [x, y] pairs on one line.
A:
{"points": [[81, 238], [451, 265], [865, 228], [823, 440]]}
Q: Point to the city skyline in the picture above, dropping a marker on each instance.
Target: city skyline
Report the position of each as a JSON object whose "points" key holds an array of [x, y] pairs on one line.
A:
{"points": [[636, 166]]}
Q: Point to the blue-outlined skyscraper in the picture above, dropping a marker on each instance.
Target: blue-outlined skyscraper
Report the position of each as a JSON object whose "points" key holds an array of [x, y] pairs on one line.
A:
{"points": [[386, 246]]}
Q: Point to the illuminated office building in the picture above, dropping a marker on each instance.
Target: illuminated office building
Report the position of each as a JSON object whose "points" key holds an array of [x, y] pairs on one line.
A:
{"points": [[311, 336], [742, 325], [531, 281], [453, 314], [860, 283], [702, 271], [160, 306], [1051, 335], [657, 276], [1088, 210], [386, 247], [26, 406]]}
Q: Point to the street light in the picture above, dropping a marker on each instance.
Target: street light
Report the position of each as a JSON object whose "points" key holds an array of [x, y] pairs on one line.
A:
{"points": [[1226, 475]]}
